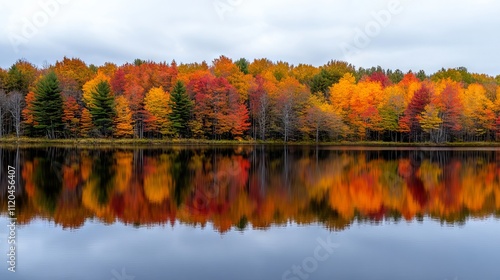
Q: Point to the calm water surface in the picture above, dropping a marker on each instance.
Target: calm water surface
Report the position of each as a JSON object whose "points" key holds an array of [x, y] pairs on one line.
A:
{"points": [[253, 212]]}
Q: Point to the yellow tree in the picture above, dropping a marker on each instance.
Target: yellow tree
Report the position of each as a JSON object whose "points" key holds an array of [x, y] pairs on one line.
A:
{"points": [[108, 69], [478, 113], [358, 104], [304, 73], [224, 67], [123, 120], [241, 83], [410, 84], [281, 70], [259, 66], [341, 92], [391, 108], [186, 72], [156, 105], [91, 86], [340, 96], [319, 117], [497, 100], [430, 121], [364, 104]]}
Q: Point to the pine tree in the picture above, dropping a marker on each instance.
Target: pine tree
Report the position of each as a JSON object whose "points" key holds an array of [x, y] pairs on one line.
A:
{"points": [[103, 108], [48, 106], [181, 106]]}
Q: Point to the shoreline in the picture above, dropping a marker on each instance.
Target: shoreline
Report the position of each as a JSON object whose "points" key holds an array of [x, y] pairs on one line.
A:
{"points": [[96, 142]]}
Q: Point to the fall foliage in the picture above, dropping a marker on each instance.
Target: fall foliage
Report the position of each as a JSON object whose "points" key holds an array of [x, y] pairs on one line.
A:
{"points": [[258, 99], [123, 120]]}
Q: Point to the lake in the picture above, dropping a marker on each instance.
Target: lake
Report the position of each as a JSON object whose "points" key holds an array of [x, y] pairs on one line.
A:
{"points": [[252, 212]]}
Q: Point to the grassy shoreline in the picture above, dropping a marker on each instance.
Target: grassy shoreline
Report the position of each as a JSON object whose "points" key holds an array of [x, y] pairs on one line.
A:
{"points": [[97, 142]]}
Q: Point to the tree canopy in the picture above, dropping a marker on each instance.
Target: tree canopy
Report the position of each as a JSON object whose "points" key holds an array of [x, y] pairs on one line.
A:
{"points": [[258, 99]]}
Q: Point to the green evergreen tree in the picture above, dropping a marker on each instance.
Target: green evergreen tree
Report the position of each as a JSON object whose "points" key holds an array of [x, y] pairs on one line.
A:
{"points": [[322, 82], [181, 106], [48, 106], [243, 64], [15, 81], [102, 108]]}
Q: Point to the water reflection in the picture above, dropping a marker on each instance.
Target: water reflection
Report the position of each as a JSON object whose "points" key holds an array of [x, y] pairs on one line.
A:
{"points": [[252, 186]]}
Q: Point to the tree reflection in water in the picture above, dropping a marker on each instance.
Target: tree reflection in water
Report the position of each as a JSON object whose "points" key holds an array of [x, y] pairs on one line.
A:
{"points": [[253, 186]]}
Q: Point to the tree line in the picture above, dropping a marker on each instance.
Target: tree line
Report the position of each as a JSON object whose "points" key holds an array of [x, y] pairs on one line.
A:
{"points": [[239, 99]]}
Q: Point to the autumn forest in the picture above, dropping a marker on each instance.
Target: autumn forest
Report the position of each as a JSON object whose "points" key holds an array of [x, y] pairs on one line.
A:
{"points": [[243, 100]]}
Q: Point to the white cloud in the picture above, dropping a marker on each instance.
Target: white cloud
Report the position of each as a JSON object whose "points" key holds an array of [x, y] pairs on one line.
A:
{"points": [[425, 35]]}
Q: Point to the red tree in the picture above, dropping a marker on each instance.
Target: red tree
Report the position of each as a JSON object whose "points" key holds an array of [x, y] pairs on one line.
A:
{"points": [[381, 78], [420, 99], [218, 110], [118, 82], [451, 108], [71, 116]]}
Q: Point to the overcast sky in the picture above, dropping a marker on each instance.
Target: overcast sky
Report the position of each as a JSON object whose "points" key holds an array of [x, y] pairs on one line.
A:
{"points": [[404, 34]]}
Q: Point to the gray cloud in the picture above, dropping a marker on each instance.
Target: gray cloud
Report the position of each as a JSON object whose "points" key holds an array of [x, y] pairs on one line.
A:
{"points": [[424, 35]]}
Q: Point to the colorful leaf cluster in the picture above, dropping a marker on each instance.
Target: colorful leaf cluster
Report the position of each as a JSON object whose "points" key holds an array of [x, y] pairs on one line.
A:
{"points": [[251, 100]]}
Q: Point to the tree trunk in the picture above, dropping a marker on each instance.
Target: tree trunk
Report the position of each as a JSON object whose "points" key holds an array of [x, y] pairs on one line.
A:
{"points": [[1, 121]]}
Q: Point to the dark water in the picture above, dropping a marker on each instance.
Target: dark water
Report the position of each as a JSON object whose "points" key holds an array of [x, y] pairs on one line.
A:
{"points": [[250, 212]]}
